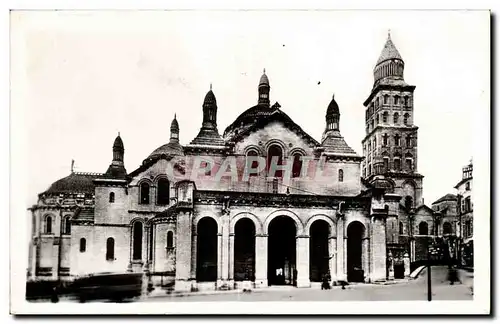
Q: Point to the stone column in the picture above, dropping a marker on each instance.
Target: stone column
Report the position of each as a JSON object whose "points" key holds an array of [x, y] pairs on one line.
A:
{"points": [[194, 256], [261, 260], [378, 249], [366, 258], [55, 255], [332, 251], [219, 260], [390, 265], [183, 252], [224, 248], [406, 260], [231, 260], [303, 261], [341, 270]]}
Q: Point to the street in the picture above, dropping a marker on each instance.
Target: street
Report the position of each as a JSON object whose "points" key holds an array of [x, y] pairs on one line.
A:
{"points": [[411, 290]]}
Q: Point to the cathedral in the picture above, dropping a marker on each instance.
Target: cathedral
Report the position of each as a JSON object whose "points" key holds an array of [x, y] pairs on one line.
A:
{"points": [[184, 218]]}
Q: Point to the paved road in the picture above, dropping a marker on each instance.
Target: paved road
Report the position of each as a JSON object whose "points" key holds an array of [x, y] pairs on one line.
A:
{"points": [[412, 290]]}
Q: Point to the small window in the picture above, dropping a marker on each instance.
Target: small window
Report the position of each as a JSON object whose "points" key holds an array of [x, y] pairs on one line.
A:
{"points": [[110, 249], [467, 186], [401, 228], [83, 245], [407, 101], [423, 228], [397, 164], [385, 139], [409, 164], [67, 225], [397, 140], [203, 165], [48, 224], [377, 119], [385, 115], [396, 100], [408, 141], [170, 240], [386, 99], [341, 175], [386, 164], [297, 165], [446, 228], [252, 163], [405, 120], [396, 118], [144, 199], [111, 197], [137, 241]]}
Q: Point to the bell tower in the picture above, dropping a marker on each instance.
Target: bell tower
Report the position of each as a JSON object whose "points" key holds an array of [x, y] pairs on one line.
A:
{"points": [[391, 136]]}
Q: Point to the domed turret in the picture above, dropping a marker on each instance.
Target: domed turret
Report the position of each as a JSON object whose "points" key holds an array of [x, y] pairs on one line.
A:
{"points": [[390, 64], [209, 135], [264, 89], [174, 130], [332, 115], [117, 167], [118, 149], [173, 147]]}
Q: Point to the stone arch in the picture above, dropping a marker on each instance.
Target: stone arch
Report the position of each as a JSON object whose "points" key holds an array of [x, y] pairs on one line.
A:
{"points": [[272, 142], [253, 148], [365, 232], [237, 217], [197, 220], [284, 212], [311, 220]]}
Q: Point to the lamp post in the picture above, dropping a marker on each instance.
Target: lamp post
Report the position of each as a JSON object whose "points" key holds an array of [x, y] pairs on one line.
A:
{"points": [[430, 252]]}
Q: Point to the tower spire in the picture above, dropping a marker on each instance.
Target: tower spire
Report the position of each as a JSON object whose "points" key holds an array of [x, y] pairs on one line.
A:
{"points": [[264, 89]]}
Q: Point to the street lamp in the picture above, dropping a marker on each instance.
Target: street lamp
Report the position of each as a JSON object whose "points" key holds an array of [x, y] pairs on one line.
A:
{"points": [[431, 251]]}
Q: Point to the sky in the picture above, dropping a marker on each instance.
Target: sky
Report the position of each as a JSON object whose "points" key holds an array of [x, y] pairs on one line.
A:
{"points": [[79, 78]]}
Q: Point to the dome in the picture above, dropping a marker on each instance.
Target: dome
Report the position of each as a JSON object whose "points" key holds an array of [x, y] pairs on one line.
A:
{"points": [[76, 182], [169, 149], [174, 125], [250, 115], [389, 52], [210, 98], [264, 80], [118, 142], [333, 107]]}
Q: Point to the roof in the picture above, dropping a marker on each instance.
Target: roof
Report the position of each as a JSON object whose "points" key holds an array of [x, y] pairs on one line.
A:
{"points": [[333, 107], [84, 215], [118, 142], [175, 124], [446, 198], [258, 117], [389, 52], [76, 182], [333, 142], [210, 98], [423, 206], [170, 149], [264, 80]]}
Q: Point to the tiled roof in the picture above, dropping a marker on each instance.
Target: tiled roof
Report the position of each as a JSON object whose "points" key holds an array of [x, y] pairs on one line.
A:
{"points": [[389, 52], [446, 197], [84, 215], [76, 182], [333, 142], [168, 149]]}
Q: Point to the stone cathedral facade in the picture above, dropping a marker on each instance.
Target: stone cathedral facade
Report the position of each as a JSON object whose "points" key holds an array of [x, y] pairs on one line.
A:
{"points": [[177, 219]]}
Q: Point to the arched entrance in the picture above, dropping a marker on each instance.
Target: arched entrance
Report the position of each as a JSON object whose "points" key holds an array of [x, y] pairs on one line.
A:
{"points": [[244, 250], [281, 251], [318, 250], [355, 234], [206, 246]]}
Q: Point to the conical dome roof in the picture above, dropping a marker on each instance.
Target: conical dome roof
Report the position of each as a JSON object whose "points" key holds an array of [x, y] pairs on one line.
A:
{"points": [[389, 51], [209, 98], [118, 142], [175, 124], [333, 107], [264, 80]]}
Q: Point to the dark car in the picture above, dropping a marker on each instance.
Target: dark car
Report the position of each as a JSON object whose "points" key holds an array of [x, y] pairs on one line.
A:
{"points": [[108, 286]]}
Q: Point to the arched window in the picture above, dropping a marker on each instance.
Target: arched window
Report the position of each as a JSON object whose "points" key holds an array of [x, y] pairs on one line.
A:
{"points": [[401, 228], [407, 101], [446, 228], [163, 194], [408, 202], [396, 100], [397, 164], [385, 115], [405, 120], [252, 163], [396, 118], [83, 245], [423, 228], [397, 140], [386, 99], [111, 197], [385, 139], [408, 141], [170, 239], [409, 164], [275, 153], [48, 224], [386, 164], [341, 175], [144, 194], [67, 225], [137, 241], [297, 165], [110, 249]]}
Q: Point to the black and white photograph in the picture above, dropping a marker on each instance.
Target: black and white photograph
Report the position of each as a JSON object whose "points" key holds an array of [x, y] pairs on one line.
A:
{"points": [[243, 161]]}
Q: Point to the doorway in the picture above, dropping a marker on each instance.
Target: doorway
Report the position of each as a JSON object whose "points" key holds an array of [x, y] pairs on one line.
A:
{"points": [[318, 250], [355, 234], [206, 245], [282, 251], [244, 250]]}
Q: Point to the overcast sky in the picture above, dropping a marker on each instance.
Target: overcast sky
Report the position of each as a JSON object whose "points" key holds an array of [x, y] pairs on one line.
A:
{"points": [[80, 78]]}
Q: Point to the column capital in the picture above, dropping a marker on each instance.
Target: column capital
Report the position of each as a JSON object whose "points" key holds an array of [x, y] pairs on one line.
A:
{"points": [[261, 235], [302, 236]]}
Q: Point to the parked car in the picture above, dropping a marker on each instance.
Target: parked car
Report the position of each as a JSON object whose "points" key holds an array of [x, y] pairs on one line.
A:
{"points": [[108, 286]]}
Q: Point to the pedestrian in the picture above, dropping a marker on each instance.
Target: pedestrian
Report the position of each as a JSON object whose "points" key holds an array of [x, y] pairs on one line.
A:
{"points": [[54, 297], [452, 275]]}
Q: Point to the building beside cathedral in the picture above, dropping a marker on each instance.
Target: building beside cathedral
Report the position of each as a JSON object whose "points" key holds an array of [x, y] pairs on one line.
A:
{"points": [[183, 218]]}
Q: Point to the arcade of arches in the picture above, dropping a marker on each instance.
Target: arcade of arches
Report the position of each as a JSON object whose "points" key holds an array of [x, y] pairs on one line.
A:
{"points": [[288, 254]]}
